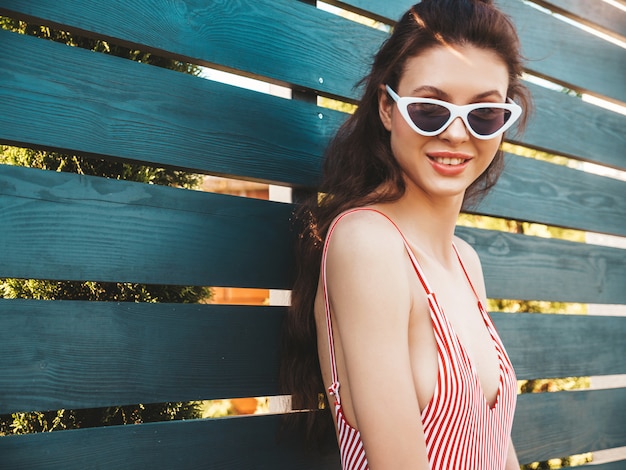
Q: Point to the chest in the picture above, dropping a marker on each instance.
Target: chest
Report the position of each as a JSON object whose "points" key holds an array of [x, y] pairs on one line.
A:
{"points": [[454, 320]]}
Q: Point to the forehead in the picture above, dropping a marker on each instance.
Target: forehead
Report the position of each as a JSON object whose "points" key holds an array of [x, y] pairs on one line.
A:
{"points": [[462, 72]]}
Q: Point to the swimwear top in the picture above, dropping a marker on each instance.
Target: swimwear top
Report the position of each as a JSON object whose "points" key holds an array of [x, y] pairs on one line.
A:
{"points": [[462, 431]]}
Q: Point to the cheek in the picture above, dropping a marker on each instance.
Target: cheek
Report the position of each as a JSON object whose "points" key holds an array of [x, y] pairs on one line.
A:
{"points": [[406, 144], [402, 134], [488, 149]]}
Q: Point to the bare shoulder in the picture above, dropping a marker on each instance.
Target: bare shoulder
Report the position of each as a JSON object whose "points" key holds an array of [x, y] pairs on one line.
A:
{"points": [[467, 252], [364, 233], [366, 264]]}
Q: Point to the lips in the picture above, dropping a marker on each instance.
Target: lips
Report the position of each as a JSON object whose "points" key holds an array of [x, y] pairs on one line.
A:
{"points": [[449, 158], [449, 163]]}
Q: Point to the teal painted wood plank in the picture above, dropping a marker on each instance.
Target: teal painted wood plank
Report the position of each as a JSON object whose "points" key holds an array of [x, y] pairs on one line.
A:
{"points": [[215, 128], [533, 268], [553, 48], [94, 104], [556, 126], [566, 53], [98, 354], [316, 44], [285, 144], [390, 10], [247, 35], [538, 191], [593, 420], [66, 226], [218, 444], [618, 465], [107, 230], [592, 12], [554, 425], [551, 346]]}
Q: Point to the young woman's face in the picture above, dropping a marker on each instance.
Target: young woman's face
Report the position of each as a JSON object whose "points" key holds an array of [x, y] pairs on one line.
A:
{"points": [[446, 164]]}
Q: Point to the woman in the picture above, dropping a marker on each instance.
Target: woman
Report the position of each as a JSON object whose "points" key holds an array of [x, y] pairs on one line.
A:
{"points": [[386, 297]]}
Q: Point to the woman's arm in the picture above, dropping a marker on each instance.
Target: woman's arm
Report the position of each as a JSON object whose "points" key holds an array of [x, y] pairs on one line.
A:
{"points": [[371, 301]]}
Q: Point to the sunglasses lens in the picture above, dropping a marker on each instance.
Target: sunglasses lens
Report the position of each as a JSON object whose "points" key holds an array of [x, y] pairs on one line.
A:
{"points": [[487, 121], [428, 117]]}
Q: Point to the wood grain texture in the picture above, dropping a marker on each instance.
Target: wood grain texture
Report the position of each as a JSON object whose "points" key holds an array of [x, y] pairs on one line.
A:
{"points": [[70, 354], [96, 354], [567, 54], [108, 230], [61, 354], [546, 269], [389, 11], [246, 35], [552, 346], [552, 47], [556, 126], [101, 105], [192, 126], [316, 44], [218, 444], [594, 421], [87, 103], [554, 425], [618, 465], [66, 226], [593, 13], [539, 191]]}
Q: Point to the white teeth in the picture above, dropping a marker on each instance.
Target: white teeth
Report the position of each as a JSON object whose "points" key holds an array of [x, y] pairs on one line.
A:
{"points": [[449, 161]]}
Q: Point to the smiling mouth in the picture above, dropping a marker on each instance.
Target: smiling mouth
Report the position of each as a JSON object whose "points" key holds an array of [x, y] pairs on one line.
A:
{"points": [[451, 161]]}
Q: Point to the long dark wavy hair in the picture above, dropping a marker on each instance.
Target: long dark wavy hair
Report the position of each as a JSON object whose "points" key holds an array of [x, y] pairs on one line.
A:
{"points": [[359, 161]]}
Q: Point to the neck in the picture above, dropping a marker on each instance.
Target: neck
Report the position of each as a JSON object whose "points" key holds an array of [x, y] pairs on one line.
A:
{"points": [[428, 223]]}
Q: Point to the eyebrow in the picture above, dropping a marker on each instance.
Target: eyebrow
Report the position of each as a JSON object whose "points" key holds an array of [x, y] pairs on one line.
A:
{"points": [[446, 97]]}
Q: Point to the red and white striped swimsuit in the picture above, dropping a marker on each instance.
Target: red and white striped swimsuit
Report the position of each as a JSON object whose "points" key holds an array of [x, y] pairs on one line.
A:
{"points": [[462, 431]]}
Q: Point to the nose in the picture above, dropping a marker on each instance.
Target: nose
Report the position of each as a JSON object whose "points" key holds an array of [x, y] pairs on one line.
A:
{"points": [[456, 131]]}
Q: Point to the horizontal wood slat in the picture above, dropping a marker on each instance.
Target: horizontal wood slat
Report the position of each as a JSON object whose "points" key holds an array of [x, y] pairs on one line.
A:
{"points": [[390, 10], [193, 126], [72, 354], [218, 444], [553, 48], [594, 420], [576, 58], [95, 354], [108, 230], [111, 107], [555, 425], [618, 465], [65, 226], [246, 35], [557, 126], [532, 268], [551, 346], [568, 54], [593, 13], [552, 194]]}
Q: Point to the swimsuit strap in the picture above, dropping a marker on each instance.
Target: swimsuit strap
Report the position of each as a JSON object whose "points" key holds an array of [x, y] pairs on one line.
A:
{"points": [[458, 255]]}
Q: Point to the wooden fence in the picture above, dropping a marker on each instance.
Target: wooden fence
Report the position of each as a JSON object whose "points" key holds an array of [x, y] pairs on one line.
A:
{"points": [[59, 354]]}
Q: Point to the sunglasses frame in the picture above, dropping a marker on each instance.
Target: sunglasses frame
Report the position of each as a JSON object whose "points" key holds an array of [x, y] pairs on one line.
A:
{"points": [[456, 111]]}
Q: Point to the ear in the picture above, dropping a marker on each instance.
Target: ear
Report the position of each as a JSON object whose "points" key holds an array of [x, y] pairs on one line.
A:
{"points": [[385, 107]]}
